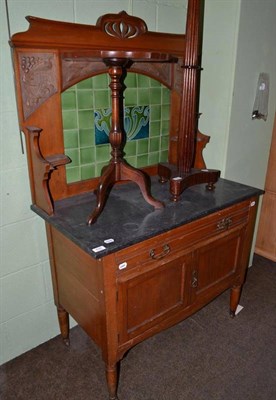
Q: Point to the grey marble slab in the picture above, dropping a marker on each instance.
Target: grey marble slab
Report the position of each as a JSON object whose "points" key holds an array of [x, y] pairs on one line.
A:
{"points": [[128, 219]]}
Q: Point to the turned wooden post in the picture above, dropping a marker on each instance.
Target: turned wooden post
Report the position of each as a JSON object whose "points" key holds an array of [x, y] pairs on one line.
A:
{"points": [[118, 169], [116, 131], [184, 174], [191, 68]]}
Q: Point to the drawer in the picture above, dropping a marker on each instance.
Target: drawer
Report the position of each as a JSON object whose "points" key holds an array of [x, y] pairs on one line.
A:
{"points": [[178, 241]]}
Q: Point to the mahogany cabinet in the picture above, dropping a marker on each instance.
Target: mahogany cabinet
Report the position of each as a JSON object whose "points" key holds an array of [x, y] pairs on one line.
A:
{"points": [[123, 288], [132, 270]]}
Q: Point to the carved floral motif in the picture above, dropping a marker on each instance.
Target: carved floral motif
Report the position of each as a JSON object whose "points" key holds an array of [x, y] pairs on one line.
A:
{"points": [[38, 78]]}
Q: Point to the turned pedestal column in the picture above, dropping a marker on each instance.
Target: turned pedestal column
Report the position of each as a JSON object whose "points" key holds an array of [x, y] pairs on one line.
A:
{"points": [[118, 169]]}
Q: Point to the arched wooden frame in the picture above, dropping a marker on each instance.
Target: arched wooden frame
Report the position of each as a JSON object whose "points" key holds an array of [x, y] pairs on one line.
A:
{"points": [[52, 56]]}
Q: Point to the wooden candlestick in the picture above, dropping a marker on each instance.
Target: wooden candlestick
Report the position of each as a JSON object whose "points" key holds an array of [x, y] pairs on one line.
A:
{"points": [[183, 175]]}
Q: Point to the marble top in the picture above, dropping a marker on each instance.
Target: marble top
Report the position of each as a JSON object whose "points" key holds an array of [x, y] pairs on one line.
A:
{"points": [[128, 219]]}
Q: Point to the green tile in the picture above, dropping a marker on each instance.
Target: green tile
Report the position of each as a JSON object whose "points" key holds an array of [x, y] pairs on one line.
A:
{"points": [[155, 95], [69, 119], [164, 156], [71, 89], [165, 111], [103, 153], [165, 127], [72, 174], [100, 81], [155, 128], [68, 99], [85, 84], [73, 154], [131, 80], [155, 112], [85, 99], [155, 83], [164, 142], [131, 160], [143, 81], [102, 98], [142, 146], [166, 95], [131, 97], [71, 139], [142, 161], [87, 171], [130, 148], [154, 144], [87, 137], [86, 119], [153, 158], [87, 155], [143, 97], [99, 167]]}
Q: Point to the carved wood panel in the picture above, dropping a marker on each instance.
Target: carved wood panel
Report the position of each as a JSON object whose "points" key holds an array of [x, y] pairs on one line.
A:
{"points": [[159, 71], [77, 69], [38, 79]]}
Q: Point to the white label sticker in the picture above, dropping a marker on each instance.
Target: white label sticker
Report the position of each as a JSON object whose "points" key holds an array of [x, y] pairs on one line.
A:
{"points": [[97, 249], [108, 240], [123, 265], [252, 204], [239, 308]]}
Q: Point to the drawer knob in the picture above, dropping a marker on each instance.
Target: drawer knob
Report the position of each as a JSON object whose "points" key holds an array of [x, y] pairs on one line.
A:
{"points": [[166, 250], [224, 223]]}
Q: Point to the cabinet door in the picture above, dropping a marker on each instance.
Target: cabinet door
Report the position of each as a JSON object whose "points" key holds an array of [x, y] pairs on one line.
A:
{"points": [[146, 297], [217, 264]]}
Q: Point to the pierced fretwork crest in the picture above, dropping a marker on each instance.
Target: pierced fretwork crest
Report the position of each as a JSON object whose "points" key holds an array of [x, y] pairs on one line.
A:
{"points": [[122, 25]]}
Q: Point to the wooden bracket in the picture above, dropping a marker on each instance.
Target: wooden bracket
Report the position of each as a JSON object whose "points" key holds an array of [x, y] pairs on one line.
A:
{"points": [[40, 169]]}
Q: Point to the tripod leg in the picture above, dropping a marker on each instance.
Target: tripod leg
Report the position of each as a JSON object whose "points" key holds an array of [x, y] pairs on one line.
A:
{"points": [[137, 176], [106, 180]]}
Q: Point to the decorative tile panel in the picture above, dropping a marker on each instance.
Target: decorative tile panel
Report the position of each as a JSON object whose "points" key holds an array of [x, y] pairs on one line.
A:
{"points": [[136, 123], [86, 109]]}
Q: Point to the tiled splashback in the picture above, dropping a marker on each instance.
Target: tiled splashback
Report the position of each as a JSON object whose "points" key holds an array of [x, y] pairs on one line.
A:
{"points": [[86, 109]]}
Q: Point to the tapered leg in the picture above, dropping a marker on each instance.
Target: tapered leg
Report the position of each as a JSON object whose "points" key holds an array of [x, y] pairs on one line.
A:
{"points": [[112, 380], [234, 299], [63, 319], [130, 173], [106, 180]]}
